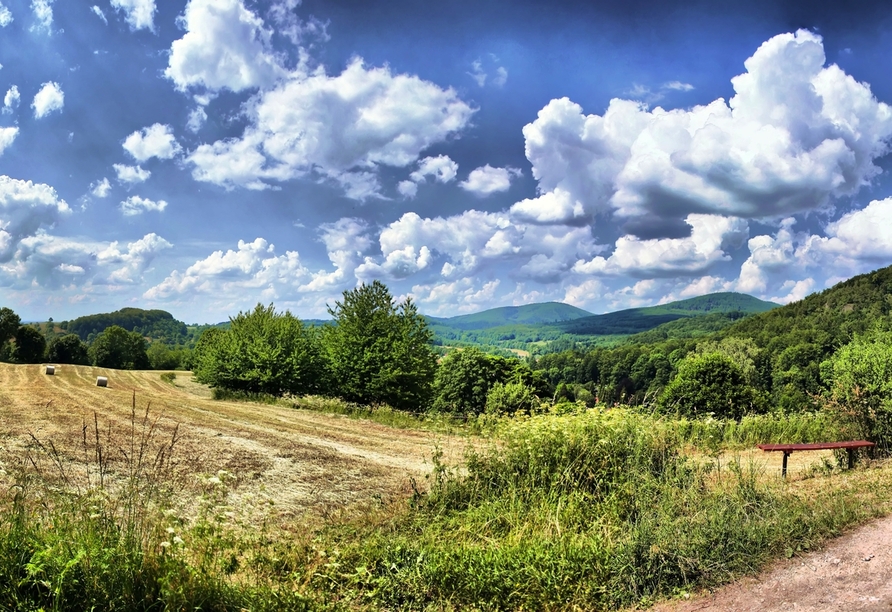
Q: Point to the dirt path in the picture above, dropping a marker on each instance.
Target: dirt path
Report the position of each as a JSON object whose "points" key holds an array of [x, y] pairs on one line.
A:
{"points": [[307, 462], [853, 572]]}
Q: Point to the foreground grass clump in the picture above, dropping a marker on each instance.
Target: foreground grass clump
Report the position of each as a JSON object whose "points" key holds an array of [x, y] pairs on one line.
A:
{"points": [[109, 532], [590, 509], [596, 510]]}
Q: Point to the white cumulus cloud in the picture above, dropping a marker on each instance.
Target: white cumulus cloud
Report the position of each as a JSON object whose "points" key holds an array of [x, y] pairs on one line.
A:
{"points": [[156, 140], [131, 174], [139, 14], [253, 267], [340, 127], [100, 189], [135, 205], [50, 98], [226, 46], [43, 13], [7, 136], [795, 135], [11, 99], [487, 180], [711, 236], [54, 262], [25, 207], [5, 16], [441, 167]]}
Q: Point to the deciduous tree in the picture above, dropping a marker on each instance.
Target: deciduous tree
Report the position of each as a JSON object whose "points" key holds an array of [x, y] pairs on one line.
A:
{"points": [[117, 348], [380, 351]]}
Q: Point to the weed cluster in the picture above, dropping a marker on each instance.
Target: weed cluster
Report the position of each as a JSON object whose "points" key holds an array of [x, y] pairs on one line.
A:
{"points": [[595, 510]]}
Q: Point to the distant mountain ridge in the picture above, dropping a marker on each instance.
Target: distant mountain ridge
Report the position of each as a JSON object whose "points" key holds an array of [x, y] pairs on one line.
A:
{"points": [[528, 314], [637, 320]]}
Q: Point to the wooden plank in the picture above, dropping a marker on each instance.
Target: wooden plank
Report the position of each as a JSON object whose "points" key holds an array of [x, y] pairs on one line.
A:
{"points": [[789, 448]]}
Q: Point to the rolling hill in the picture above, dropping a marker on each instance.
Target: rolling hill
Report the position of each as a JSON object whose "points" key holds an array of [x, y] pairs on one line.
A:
{"points": [[529, 314], [636, 320]]}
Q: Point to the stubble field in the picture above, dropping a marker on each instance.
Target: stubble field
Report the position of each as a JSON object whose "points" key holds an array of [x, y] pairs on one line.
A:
{"points": [[308, 464]]}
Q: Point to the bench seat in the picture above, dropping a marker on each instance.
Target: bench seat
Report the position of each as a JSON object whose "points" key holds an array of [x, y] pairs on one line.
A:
{"points": [[786, 449]]}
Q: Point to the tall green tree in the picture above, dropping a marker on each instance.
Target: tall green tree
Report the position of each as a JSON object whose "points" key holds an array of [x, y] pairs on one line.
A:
{"points": [[380, 351], [120, 349], [9, 324], [68, 349], [30, 345], [262, 352]]}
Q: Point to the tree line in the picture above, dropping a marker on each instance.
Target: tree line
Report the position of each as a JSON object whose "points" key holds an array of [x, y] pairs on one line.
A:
{"points": [[114, 347]]}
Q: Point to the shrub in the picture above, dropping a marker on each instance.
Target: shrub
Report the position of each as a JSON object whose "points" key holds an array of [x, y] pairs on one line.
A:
{"points": [[509, 398], [861, 385], [262, 352], [710, 384]]}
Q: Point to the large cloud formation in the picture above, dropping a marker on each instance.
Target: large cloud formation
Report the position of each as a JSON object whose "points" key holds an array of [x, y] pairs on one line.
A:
{"points": [[795, 135], [226, 46], [25, 207], [341, 127]]}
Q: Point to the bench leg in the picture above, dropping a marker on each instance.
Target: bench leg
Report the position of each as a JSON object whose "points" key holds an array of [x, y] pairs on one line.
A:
{"points": [[784, 468], [851, 453]]}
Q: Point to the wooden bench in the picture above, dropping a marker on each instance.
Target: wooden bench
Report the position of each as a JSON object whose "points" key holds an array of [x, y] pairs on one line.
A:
{"points": [[786, 449]]}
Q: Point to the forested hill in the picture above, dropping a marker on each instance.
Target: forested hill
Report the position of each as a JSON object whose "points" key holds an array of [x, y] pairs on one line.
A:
{"points": [[825, 320], [636, 320], [530, 314], [155, 324]]}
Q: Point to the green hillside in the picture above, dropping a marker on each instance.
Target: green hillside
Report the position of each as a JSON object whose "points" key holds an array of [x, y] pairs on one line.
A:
{"points": [[828, 319], [636, 320], [529, 314], [154, 324], [782, 349]]}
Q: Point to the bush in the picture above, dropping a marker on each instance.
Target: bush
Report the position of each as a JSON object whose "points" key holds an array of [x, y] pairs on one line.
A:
{"points": [[861, 385], [510, 398], [711, 384], [262, 352]]}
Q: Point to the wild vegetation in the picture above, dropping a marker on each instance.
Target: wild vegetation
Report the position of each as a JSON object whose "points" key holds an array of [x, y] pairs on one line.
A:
{"points": [[595, 479]]}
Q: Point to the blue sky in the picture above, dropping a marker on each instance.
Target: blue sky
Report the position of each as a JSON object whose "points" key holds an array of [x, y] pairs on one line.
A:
{"points": [[201, 156]]}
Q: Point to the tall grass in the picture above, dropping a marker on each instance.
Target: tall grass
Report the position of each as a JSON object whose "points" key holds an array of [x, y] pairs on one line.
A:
{"points": [[761, 429], [591, 509], [597, 510], [97, 528]]}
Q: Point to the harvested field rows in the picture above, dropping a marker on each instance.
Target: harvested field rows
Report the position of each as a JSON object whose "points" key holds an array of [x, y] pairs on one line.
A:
{"points": [[308, 463]]}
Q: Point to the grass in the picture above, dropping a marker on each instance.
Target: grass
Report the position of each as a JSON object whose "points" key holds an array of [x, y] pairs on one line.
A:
{"points": [[381, 414], [591, 509], [111, 533]]}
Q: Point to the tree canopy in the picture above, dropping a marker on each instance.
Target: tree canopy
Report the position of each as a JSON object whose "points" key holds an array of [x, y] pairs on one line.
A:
{"points": [[380, 351], [262, 352], [117, 348]]}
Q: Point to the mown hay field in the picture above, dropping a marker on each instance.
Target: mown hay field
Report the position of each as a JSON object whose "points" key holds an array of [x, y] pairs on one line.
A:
{"points": [[309, 464]]}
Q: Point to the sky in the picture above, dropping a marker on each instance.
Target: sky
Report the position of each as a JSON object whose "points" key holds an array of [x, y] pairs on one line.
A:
{"points": [[203, 156]]}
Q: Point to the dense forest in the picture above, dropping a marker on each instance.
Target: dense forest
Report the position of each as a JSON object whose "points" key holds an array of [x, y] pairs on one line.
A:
{"points": [[781, 351]]}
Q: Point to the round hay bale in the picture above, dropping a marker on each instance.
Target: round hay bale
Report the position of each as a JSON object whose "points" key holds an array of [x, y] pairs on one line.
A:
{"points": [[50, 370], [101, 381]]}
